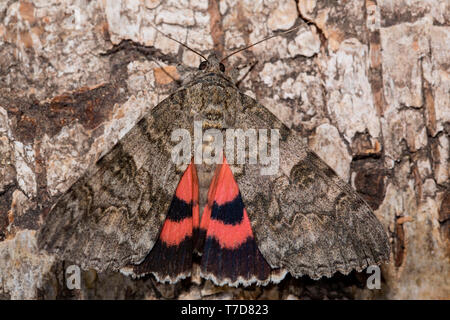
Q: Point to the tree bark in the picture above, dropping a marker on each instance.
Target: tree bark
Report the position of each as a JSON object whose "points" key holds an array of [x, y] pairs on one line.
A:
{"points": [[366, 82]]}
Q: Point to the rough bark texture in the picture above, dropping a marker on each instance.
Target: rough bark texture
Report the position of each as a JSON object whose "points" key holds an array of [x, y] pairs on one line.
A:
{"points": [[366, 82]]}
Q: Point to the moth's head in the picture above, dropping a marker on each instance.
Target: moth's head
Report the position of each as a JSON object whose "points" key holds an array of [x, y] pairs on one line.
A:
{"points": [[212, 64]]}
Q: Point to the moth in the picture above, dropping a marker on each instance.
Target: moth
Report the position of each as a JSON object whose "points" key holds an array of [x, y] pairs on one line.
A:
{"points": [[138, 211]]}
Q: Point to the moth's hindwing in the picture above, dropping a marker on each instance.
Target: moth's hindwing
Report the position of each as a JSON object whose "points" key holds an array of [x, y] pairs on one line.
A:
{"points": [[230, 254], [171, 257]]}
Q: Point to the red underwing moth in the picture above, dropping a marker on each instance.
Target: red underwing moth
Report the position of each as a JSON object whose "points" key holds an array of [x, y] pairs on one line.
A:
{"points": [[139, 211]]}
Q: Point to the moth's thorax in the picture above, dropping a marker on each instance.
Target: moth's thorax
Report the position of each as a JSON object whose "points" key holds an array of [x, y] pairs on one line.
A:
{"points": [[213, 105], [212, 116]]}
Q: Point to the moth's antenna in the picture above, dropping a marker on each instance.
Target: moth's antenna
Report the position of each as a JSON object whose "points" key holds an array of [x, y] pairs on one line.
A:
{"points": [[265, 39], [167, 36]]}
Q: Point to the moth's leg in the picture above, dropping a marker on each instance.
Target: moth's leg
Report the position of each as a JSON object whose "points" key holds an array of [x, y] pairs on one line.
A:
{"points": [[250, 67]]}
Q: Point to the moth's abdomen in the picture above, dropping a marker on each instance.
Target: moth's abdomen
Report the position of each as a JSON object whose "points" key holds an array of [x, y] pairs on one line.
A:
{"points": [[205, 175]]}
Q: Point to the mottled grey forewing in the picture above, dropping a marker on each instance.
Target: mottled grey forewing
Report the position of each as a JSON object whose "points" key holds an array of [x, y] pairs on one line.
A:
{"points": [[305, 218], [113, 214]]}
